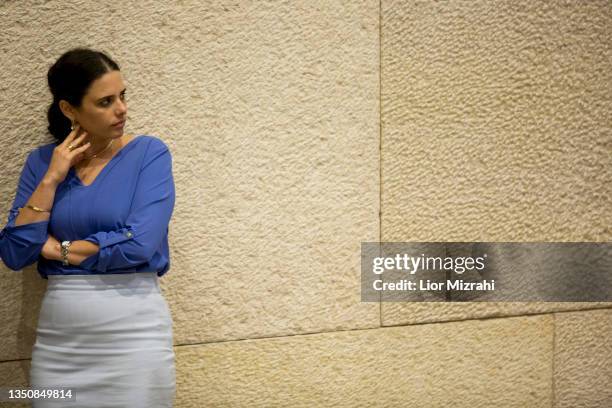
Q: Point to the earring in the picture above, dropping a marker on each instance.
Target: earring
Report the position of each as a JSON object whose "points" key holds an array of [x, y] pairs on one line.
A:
{"points": [[73, 125]]}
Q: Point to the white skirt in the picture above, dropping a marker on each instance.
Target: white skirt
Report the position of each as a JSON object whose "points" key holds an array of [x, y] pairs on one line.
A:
{"points": [[106, 337]]}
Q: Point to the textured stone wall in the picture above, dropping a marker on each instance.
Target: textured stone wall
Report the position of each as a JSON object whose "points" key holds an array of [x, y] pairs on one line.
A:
{"points": [[299, 130]]}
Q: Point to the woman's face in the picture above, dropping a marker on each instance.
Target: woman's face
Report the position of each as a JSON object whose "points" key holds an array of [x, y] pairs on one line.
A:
{"points": [[103, 106]]}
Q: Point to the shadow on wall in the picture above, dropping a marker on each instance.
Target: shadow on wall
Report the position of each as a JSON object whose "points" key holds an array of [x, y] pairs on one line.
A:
{"points": [[31, 297]]}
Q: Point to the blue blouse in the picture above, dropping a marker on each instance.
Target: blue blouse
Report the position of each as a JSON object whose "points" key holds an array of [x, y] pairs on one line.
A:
{"points": [[125, 210]]}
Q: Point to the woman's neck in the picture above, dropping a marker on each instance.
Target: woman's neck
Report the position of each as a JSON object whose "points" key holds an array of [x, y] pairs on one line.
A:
{"points": [[99, 144]]}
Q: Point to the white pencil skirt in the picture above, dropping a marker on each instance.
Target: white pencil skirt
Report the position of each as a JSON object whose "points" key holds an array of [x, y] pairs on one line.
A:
{"points": [[106, 337]]}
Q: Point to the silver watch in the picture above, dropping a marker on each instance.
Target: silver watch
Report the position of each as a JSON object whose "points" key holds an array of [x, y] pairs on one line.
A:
{"points": [[65, 246]]}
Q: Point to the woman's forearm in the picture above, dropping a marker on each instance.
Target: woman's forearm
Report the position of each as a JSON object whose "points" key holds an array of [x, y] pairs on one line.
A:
{"points": [[42, 197], [78, 251]]}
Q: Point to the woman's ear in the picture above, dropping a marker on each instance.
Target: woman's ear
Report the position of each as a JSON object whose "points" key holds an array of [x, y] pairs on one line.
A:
{"points": [[67, 110]]}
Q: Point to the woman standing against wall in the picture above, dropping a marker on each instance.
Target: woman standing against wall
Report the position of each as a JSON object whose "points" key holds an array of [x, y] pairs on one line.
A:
{"points": [[93, 209]]}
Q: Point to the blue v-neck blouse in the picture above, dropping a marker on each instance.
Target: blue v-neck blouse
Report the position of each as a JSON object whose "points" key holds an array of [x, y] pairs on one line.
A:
{"points": [[126, 210]]}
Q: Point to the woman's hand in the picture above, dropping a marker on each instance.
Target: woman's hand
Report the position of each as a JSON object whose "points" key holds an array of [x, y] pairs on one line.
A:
{"points": [[52, 249], [63, 158]]}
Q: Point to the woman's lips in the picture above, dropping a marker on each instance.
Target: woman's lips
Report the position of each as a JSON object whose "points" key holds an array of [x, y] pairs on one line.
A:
{"points": [[119, 125]]}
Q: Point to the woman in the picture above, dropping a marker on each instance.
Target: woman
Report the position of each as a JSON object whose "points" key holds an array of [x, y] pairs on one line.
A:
{"points": [[93, 209]]}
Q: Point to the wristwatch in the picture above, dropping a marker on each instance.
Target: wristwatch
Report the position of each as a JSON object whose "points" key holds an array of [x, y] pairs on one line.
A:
{"points": [[65, 246]]}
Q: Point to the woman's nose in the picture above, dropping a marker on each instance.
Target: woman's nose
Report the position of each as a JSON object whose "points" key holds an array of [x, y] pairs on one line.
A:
{"points": [[121, 107]]}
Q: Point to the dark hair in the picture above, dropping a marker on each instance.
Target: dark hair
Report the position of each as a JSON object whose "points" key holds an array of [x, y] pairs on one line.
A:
{"points": [[69, 78]]}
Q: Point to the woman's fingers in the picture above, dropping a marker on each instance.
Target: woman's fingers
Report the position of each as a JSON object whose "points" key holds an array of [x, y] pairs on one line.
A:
{"points": [[75, 141], [81, 149], [80, 138]]}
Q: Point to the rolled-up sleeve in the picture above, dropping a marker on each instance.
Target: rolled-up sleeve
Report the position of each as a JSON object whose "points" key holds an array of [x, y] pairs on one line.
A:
{"points": [[147, 223], [21, 245]]}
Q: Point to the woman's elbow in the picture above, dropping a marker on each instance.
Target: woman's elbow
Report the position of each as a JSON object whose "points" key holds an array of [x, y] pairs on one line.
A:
{"points": [[16, 263], [141, 252], [16, 260]]}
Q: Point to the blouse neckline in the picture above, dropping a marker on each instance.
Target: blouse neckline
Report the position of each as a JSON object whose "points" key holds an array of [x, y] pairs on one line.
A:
{"points": [[101, 173]]}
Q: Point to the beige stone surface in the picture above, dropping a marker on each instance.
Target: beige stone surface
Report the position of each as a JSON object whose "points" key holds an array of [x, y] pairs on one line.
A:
{"points": [[496, 121], [14, 374], [402, 313], [582, 359], [495, 127], [279, 177], [492, 363]]}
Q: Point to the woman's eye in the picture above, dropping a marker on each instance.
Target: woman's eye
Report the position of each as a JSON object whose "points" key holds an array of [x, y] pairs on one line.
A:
{"points": [[106, 101]]}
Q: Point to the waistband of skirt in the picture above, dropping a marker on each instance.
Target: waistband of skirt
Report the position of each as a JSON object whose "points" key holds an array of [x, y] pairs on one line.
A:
{"points": [[136, 281]]}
